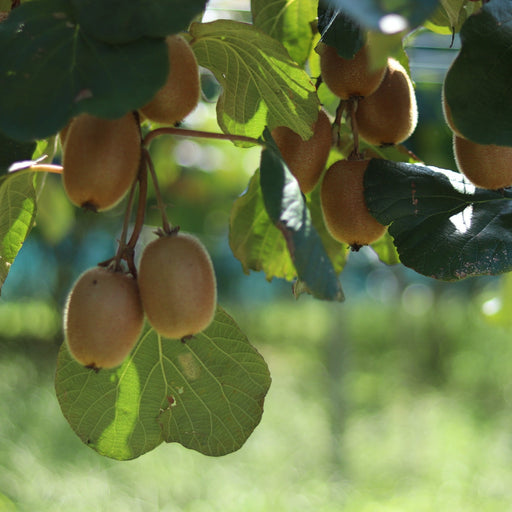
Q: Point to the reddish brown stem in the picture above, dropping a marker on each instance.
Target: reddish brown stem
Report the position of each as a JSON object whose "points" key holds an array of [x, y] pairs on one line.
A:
{"points": [[166, 226], [183, 132]]}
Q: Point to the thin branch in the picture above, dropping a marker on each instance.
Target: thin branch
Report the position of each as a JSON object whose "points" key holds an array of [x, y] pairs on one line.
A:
{"points": [[183, 132]]}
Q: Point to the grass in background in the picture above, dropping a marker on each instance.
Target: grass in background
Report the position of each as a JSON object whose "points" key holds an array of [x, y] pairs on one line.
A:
{"points": [[372, 408]]}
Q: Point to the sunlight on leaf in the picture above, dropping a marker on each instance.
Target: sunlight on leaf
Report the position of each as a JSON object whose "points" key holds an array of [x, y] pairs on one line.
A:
{"points": [[206, 394]]}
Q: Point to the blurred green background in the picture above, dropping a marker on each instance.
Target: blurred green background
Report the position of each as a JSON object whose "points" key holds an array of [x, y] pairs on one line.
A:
{"points": [[400, 399]]}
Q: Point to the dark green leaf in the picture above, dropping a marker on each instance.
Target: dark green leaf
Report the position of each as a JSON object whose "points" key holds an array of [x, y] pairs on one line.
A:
{"points": [[54, 71], [339, 30], [291, 23], [477, 86], [206, 394], [17, 214], [122, 21], [442, 226], [287, 209], [261, 84], [13, 151], [372, 13]]}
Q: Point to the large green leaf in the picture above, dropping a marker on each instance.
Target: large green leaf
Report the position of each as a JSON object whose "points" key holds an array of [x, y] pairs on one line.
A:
{"points": [[54, 70], [477, 86], [17, 214], [261, 84], [122, 21], [288, 210], [254, 238], [206, 394], [290, 22], [371, 13], [442, 226]]}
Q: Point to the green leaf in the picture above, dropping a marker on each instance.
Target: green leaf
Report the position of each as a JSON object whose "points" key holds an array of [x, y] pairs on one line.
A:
{"points": [[261, 84], [254, 238], [336, 251], [477, 85], [17, 214], [122, 21], [386, 250], [290, 22], [442, 226], [287, 209], [206, 394], [339, 30], [54, 70], [371, 13], [450, 16]]}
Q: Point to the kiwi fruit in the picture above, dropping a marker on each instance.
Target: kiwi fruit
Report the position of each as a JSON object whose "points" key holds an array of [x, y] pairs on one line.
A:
{"points": [[100, 160], [349, 78], [306, 159], [343, 205], [177, 285], [103, 318], [485, 165], [180, 93], [390, 114]]}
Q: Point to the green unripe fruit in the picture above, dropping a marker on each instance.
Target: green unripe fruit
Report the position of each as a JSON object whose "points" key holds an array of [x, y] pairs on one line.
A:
{"points": [[390, 114], [103, 318], [305, 158], [343, 205], [349, 78], [101, 160], [180, 93], [485, 165], [177, 285]]}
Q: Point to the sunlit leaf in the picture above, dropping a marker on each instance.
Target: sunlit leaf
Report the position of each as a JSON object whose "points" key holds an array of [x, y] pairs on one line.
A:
{"points": [[254, 238], [17, 214], [262, 85], [290, 22], [206, 394]]}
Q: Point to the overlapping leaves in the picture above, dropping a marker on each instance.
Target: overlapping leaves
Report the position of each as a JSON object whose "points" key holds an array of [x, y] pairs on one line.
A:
{"points": [[262, 85]]}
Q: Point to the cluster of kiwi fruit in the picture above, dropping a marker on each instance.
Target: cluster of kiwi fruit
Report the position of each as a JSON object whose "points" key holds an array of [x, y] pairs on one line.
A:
{"points": [[485, 165], [174, 286], [384, 108]]}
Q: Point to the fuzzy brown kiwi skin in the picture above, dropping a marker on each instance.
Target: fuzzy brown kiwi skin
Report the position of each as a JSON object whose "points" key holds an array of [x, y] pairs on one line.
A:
{"points": [[181, 92], [349, 78], [103, 318], [390, 115], [343, 205], [485, 165], [100, 160], [305, 159], [177, 285]]}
